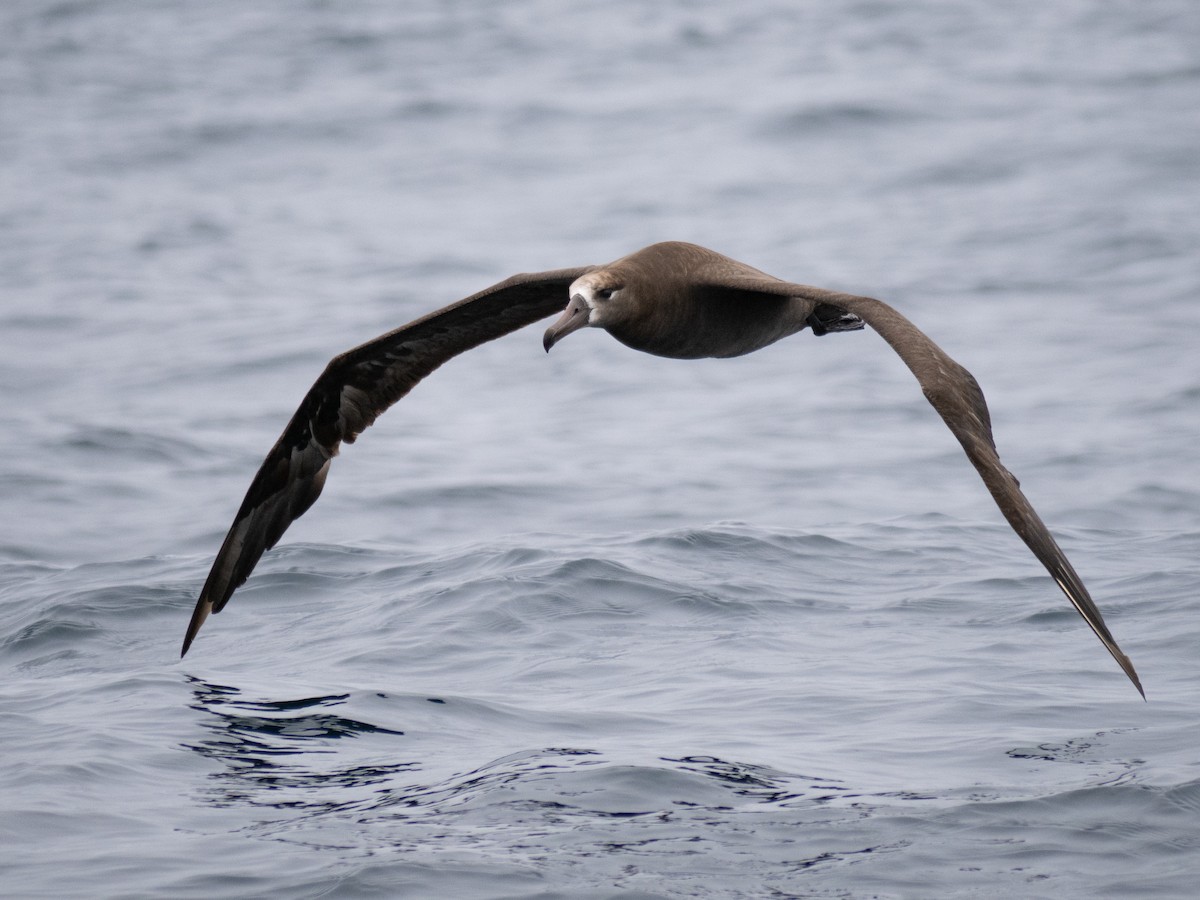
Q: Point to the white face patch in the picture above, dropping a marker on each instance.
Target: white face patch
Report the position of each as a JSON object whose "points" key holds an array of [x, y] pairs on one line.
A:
{"points": [[583, 286]]}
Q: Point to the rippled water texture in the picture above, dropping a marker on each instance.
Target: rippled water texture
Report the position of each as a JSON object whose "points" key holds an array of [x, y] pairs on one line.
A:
{"points": [[596, 624]]}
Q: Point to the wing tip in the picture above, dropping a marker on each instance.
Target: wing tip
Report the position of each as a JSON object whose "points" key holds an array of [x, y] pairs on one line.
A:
{"points": [[1127, 667], [1082, 601], [203, 608]]}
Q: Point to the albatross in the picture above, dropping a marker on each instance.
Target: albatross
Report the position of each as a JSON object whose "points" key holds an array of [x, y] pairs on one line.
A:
{"points": [[670, 299]]}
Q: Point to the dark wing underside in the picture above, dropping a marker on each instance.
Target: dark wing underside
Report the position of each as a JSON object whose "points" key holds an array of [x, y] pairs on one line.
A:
{"points": [[958, 399], [355, 388]]}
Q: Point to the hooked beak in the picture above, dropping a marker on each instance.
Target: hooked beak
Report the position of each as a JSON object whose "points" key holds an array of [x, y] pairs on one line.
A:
{"points": [[574, 317]]}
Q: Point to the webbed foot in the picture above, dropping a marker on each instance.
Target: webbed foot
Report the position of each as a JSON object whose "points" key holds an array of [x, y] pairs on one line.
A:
{"points": [[826, 318]]}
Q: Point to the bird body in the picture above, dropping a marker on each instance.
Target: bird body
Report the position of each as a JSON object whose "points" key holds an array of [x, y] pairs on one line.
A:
{"points": [[671, 299]]}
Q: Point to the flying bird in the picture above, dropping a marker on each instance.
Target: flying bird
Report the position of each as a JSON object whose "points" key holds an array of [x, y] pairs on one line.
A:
{"points": [[670, 299]]}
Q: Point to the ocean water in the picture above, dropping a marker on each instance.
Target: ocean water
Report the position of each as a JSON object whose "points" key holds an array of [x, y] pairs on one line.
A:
{"points": [[596, 624]]}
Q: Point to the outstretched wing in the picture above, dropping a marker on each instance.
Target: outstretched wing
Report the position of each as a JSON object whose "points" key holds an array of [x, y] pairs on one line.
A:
{"points": [[956, 395], [355, 389]]}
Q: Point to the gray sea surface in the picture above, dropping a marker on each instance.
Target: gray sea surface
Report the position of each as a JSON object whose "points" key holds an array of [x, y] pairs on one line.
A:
{"points": [[597, 624]]}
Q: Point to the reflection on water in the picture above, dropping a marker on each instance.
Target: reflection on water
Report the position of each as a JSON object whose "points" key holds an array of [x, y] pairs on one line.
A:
{"points": [[271, 750], [272, 753]]}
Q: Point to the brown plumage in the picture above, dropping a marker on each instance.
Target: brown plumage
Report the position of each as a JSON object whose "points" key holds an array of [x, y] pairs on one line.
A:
{"points": [[671, 299]]}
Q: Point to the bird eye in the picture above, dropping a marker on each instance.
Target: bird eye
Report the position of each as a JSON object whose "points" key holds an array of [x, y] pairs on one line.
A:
{"points": [[603, 293]]}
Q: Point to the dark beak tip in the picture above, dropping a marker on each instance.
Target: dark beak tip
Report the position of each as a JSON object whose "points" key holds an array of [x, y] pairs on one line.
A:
{"points": [[574, 317]]}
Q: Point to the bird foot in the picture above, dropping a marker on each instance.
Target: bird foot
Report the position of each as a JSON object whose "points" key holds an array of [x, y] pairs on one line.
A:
{"points": [[825, 319]]}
